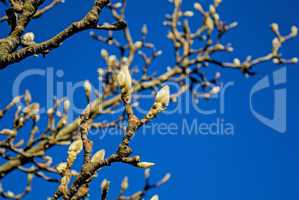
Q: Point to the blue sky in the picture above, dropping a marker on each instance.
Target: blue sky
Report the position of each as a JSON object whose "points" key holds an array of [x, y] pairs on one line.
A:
{"points": [[256, 162]]}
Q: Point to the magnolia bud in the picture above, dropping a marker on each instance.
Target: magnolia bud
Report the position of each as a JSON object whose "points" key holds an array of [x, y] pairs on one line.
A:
{"points": [[237, 61], [117, 5], [212, 9], [124, 184], [188, 13], [50, 111], [138, 44], [163, 96], [198, 6], [105, 185], [66, 105], [87, 87], [75, 147], [294, 31], [124, 78], [10, 194], [155, 197], [98, 156], [61, 167], [28, 38], [27, 97], [294, 60], [144, 29], [145, 165], [112, 60], [215, 90], [166, 178], [8, 132], [104, 53], [274, 27]]}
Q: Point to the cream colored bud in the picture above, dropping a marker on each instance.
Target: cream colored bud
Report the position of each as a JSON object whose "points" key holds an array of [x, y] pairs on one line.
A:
{"points": [[163, 96], [294, 60], [188, 13], [274, 27], [138, 44], [216, 17], [276, 61], [35, 108], [87, 87], [212, 9], [219, 47], [76, 147], [8, 132], [98, 156], [66, 105], [105, 184], [237, 61], [155, 197], [28, 38], [61, 167], [27, 97], [145, 165], [170, 35], [198, 6], [215, 90], [294, 31], [166, 178], [124, 78], [10, 194], [117, 5], [144, 29], [104, 53], [125, 183], [112, 60], [50, 111]]}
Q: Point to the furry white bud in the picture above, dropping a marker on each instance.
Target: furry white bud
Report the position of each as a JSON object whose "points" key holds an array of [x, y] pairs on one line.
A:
{"points": [[75, 147], [66, 105], [155, 197], [188, 13], [294, 31], [163, 96], [104, 53], [28, 38], [237, 61], [87, 87], [145, 165], [215, 90], [98, 156], [124, 78], [61, 167], [198, 6], [274, 27], [138, 44], [294, 60]]}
